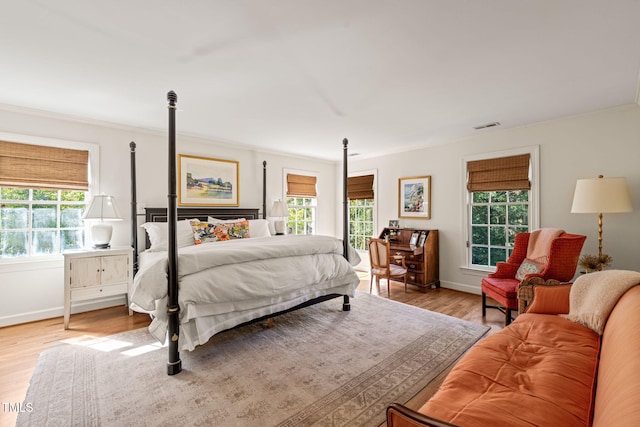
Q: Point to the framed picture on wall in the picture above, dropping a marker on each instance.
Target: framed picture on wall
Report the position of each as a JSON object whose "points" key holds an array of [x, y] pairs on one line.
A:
{"points": [[414, 197], [204, 181]]}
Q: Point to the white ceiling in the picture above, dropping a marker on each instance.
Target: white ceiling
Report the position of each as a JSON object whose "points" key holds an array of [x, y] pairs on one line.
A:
{"points": [[297, 76]]}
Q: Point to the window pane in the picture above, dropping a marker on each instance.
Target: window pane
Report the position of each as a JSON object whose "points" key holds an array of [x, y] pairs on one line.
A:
{"points": [[72, 196], [479, 235], [480, 197], [44, 242], [519, 196], [498, 214], [13, 243], [518, 215], [14, 216], [479, 255], [479, 214], [515, 230], [71, 239], [498, 197], [498, 254], [71, 216], [498, 236], [14, 193], [44, 216], [359, 243], [368, 231], [45, 194]]}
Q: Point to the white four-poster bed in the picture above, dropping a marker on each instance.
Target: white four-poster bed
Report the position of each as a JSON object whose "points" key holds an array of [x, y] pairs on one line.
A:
{"points": [[221, 285]]}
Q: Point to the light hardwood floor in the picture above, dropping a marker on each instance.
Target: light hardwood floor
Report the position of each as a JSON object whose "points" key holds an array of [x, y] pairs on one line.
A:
{"points": [[22, 344]]}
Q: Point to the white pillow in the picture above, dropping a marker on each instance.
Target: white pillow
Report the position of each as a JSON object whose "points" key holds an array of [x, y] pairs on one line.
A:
{"points": [[259, 228], [272, 226], [212, 220], [158, 233]]}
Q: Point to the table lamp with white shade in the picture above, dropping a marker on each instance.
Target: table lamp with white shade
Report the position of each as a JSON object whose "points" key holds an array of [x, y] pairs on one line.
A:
{"points": [[102, 208], [280, 212]]}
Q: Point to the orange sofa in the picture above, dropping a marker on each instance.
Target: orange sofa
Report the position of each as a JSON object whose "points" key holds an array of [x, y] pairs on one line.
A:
{"points": [[543, 370]]}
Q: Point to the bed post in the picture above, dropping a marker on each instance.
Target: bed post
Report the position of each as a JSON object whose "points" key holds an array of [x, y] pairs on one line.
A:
{"points": [[346, 305], [134, 208], [264, 189], [174, 366]]}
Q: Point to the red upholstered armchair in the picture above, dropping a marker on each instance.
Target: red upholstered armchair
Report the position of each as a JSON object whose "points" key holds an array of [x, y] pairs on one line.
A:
{"points": [[502, 285]]}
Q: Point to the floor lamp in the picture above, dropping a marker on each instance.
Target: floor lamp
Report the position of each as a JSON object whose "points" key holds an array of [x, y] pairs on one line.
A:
{"points": [[601, 195]]}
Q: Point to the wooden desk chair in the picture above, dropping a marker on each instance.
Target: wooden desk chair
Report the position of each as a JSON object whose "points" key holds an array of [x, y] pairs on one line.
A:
{"points": [[382, 267]]}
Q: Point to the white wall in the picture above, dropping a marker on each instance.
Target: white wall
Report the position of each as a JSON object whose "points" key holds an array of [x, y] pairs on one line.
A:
{"points": [[34, 289], [603, 142]]}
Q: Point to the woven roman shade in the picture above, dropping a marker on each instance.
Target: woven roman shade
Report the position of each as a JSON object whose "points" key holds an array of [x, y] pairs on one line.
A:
{"points": [[360, 187], [38, 166], [499, 174], [301, 185]]}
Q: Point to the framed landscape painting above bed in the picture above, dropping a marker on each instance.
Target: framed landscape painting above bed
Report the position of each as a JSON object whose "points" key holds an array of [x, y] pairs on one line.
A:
{"points": [[205, 181]]}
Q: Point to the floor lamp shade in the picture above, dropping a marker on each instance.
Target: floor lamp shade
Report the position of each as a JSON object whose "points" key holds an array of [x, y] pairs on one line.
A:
{"points": [[102, 208], [601, 195]]}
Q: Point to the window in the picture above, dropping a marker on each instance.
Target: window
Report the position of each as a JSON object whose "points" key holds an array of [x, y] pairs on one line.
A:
{"points": [[40, 222], [44, 189], [360, 222], [361, 209], [302, 203], [302, 215], [501, 200], [496, 217]]}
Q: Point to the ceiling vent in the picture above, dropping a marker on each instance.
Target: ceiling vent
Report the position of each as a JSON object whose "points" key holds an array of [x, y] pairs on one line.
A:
{"points": [[488, 125]]}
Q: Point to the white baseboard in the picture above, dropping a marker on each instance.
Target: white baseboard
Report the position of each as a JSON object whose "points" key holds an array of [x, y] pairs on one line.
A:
{"points": [[470, 289], [77, 307]]}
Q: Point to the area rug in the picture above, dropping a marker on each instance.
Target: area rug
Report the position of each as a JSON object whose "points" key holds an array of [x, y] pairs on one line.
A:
{"points": [[318, 366]]}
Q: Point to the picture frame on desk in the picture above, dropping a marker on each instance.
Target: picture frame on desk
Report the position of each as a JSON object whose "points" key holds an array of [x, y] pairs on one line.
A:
{"points": [[422, 239], [414, 197], [394, 223], [414, 238]]}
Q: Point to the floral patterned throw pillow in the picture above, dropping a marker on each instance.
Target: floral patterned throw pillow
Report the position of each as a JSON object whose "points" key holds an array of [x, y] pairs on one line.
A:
{"points": [[530, 266], [204, 232]]}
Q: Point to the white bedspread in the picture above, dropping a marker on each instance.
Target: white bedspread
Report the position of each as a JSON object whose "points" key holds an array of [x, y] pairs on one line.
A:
{"points": [[228, 283]]}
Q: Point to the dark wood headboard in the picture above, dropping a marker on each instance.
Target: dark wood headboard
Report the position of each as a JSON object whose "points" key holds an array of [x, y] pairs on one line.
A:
{"points": [[160, 214], [202, 213]]}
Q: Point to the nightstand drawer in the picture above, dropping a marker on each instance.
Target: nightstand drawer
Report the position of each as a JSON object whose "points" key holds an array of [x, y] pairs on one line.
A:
{"points": [[98, 291]]}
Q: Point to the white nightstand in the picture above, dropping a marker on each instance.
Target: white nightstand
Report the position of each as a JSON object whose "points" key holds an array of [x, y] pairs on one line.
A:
{"points": [[95, 273]]}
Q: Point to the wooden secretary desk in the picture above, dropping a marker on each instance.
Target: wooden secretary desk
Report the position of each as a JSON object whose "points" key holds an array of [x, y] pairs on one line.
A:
{"points": [[419, 247]]}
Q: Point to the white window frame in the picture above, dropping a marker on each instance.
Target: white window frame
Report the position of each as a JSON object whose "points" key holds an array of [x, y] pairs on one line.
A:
{"points": [[534, 199], [94, 174]]}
